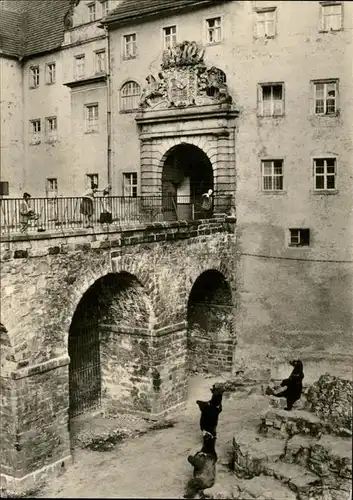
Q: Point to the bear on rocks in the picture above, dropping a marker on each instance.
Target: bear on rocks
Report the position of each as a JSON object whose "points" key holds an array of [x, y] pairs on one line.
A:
{"points": [[293, 384]]}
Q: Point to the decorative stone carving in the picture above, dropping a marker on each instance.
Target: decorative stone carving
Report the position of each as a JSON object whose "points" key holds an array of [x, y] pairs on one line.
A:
{"points": [[185, 80]]}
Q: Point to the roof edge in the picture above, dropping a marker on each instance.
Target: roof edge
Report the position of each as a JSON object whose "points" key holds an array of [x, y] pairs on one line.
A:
{"points": [[156, 13]]}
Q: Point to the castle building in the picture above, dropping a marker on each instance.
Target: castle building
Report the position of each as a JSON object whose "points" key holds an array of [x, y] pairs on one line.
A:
{"points": [[249, 99]]}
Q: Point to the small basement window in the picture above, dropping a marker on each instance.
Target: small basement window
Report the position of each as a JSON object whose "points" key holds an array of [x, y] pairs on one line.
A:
{"points": [[299, 237]]}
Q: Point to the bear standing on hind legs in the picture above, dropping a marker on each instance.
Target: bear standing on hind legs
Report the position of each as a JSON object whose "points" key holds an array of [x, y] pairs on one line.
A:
{"points": [[204, 463], [210, 411], [294, 384]]}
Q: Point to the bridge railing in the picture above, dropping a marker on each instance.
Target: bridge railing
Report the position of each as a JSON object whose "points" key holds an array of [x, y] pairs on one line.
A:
{"points": [[62, 213]]}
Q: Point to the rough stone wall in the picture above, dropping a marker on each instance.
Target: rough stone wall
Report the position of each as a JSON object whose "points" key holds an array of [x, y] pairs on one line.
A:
{"points": [[210, 325], [143, 332]]}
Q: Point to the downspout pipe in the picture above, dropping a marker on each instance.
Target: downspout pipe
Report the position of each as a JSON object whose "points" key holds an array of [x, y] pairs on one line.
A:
{"points": [[109, 124]]}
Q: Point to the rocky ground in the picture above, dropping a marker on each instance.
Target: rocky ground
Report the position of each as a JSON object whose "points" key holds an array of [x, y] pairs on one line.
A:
{"points": [[274, 454]]}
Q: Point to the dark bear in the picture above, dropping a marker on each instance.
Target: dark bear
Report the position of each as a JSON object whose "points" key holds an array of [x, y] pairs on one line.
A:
{"points": [[204, 463], [293, 384], [210, 411]]}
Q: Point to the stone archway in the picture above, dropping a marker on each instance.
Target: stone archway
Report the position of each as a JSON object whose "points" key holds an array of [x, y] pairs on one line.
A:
{"points": [[110, 361], [210, 324], [186, 174]]}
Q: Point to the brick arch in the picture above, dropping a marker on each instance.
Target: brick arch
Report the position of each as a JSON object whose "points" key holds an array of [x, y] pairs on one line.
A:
{"points": [[127, 265], [207, 265]]}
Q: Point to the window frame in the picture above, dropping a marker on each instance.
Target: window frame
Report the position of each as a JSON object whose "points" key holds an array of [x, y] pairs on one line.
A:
{"points": [[48, 188], [165, 44], [273, 176], [77, 58], [325, 82], [263, 11], [35, 136], [104, 10], [323, 6], [89, 7], [96, 61], [260, 100], [130, 109], [207, 30], [299, 244], [48, 72], [94, 120], [131, 186], [325, 174], [90, 177], [125, 44], [51, 137], [34, 80]]}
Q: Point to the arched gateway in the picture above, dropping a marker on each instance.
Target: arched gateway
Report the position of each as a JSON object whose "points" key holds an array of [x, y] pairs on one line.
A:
{"points": [[187, 127]]}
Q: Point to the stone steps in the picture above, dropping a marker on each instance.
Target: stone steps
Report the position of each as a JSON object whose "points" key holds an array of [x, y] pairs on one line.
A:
{"points": [[296, 477], [281, 423], [261, 488], [324, 456]]}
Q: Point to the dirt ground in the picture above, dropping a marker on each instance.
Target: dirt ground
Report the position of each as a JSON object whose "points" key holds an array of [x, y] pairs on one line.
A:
{"points": [[155, 465]]}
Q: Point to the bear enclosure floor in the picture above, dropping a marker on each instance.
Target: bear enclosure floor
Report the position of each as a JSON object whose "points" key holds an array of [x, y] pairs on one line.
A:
{"points": [[154, 465]]}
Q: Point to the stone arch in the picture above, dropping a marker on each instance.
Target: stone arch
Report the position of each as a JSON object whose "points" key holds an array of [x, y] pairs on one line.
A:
{"points": [[210, 311], [186, 174], [108, 345]]}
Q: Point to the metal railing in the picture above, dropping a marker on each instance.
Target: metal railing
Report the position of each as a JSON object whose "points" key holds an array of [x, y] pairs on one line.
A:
{"points": [[63, 213]]}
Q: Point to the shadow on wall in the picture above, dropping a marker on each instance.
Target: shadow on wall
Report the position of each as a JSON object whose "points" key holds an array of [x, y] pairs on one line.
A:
{"points": [[210, 320]]}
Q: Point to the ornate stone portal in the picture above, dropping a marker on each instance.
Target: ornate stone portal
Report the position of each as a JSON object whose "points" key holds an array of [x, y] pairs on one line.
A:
{"points": [[184, 80]]}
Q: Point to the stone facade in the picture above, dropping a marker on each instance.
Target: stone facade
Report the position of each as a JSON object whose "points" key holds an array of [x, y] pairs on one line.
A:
{"points": [[142, 322]]}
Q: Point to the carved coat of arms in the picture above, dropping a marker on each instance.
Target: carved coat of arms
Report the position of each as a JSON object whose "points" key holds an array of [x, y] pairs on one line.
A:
{"points": [[184, 80]]}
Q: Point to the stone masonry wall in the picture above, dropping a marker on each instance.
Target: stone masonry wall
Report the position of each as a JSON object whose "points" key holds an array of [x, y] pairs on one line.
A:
{"points": [[44, 280]]}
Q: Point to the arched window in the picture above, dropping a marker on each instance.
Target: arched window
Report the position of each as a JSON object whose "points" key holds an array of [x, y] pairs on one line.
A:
{"points": [[129, 96]]}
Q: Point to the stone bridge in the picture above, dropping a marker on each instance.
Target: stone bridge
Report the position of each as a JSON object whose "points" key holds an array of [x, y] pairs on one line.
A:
{"points": [[110, 321]]}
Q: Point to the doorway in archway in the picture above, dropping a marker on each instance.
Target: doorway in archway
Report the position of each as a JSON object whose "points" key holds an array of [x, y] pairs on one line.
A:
{"points": [[102, 346], [187, 175], [210, 324]]}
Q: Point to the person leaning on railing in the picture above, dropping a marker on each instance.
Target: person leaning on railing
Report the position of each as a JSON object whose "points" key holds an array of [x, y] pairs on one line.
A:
{"points": [[87, 207], [26, 213]]}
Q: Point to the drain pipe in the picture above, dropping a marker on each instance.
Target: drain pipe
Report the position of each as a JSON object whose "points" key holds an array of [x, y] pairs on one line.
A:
{"points": [[109, 115]]}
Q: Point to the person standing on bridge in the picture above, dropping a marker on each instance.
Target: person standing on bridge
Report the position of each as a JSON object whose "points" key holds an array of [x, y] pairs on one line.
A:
{"points": [[87, 203], [207, 204]]}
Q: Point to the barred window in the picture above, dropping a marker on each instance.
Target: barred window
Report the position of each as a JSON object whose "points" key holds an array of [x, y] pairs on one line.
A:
{"points": [[129, 96]]}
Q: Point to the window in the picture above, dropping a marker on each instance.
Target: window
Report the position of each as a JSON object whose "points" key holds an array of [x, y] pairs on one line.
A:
{"points": [[130, 48], [170, 38], [100, 61], [91, 12], [50, 73], [105, 8], [271, 99], [34, 76], [299, 237], [51, 187], [272, 175], [130, 96], [52, 128], [324, 174], [266, 23], [34, 131], [331, 16], [91, 117], [130, 184], [214, 34], [92, 179], [80, 66], [325, 96]]}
